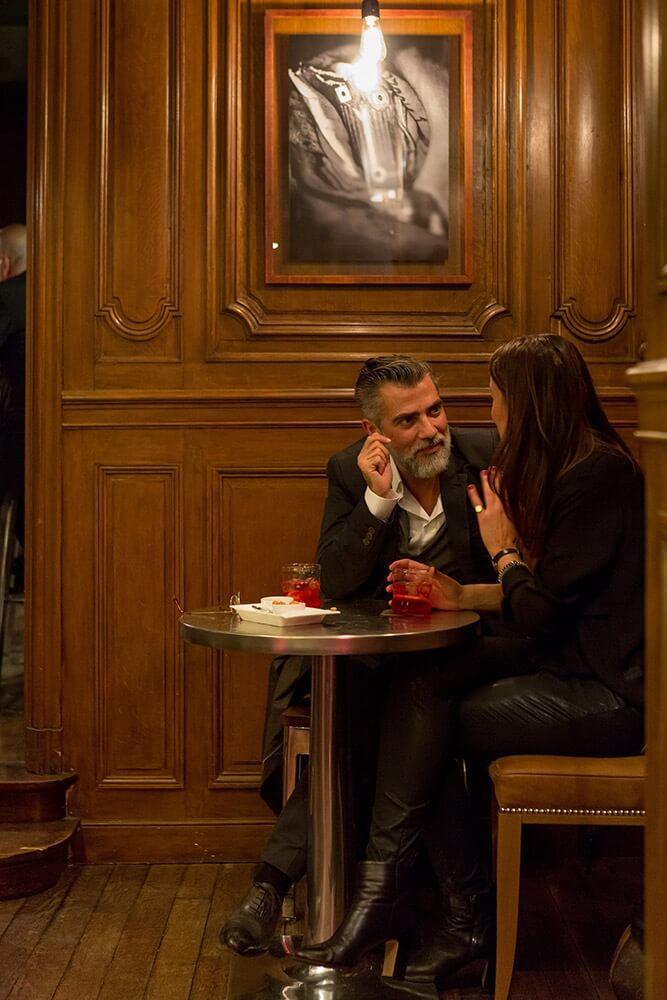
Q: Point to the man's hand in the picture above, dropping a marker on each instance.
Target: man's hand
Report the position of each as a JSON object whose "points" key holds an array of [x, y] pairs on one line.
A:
{"points": [[446, 594], [373, 461]]}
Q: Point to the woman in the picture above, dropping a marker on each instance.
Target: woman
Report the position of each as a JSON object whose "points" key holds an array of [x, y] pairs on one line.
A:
{"points": [[562, 518]]}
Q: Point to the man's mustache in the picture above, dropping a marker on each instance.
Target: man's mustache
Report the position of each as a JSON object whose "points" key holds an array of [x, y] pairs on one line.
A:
{"points": [[430, 443]]}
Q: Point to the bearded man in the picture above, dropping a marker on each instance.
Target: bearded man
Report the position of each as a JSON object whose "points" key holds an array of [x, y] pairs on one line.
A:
{"points": [[401, 491]]}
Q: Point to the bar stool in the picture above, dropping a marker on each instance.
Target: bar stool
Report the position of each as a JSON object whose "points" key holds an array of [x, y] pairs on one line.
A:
{"points": [[555, 790]]}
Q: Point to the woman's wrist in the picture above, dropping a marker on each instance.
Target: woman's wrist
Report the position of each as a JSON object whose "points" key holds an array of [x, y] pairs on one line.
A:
{"points": [[505, 550], [448, 595], [480, 597]]}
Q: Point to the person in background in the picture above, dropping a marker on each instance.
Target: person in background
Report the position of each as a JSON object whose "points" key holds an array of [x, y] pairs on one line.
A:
{"points": [[399, 491], [12, 367], [561, 515]]}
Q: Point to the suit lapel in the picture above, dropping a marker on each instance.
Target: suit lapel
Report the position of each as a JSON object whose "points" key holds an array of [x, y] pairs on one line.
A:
{"points": [[455, 501]]}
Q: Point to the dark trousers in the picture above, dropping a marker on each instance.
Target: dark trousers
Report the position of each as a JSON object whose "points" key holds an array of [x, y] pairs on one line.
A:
{"points": [[478, 702]]}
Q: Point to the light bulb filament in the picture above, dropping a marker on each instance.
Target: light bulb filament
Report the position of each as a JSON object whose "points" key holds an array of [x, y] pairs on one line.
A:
{"points": [[372, 50]]}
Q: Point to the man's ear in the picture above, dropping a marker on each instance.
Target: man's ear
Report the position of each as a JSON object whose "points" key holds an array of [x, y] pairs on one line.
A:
{"points": [[369, 427]]}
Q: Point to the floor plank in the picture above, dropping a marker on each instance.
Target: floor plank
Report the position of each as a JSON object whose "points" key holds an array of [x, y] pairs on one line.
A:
{"points": [[92, 958], [137, 949], [40, 976], [176, 960], [23, 934], [212, 972], [8, 910]]}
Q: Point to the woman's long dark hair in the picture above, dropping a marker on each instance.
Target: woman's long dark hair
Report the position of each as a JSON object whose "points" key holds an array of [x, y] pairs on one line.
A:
{"points": [[554, 420]]}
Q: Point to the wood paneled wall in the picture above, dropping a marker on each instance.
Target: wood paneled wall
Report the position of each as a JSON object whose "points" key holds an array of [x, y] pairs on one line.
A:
{"points": [[650, 381], [182, 409]]}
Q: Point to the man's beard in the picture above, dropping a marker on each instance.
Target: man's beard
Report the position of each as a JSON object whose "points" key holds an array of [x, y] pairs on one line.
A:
{"points": [[420, 466]]}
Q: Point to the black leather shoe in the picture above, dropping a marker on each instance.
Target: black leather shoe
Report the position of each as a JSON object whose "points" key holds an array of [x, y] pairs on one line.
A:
{"points": [[249, 929]]}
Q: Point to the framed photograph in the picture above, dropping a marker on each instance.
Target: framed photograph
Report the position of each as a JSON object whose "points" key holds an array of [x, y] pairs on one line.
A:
{"points": [[368, 148]]}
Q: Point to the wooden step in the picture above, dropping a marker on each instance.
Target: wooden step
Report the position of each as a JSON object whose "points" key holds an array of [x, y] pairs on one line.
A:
{"points": [[33, 855], [32, 798]]}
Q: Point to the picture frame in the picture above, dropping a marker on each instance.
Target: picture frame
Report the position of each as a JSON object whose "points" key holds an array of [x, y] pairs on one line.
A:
{"points": [[368, 187]]}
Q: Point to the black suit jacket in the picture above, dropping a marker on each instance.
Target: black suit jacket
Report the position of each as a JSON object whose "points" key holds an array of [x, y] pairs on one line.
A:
{"points": [[355, 548]]}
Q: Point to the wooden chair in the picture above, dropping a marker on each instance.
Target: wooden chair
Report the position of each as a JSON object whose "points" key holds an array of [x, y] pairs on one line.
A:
{"points": [[544, 789], [296, 743]]}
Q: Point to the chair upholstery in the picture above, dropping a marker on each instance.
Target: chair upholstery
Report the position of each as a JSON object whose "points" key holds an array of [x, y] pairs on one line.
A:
{"points": [[555, 790]]}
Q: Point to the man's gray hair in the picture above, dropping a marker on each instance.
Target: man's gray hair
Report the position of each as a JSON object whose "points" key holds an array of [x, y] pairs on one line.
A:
{"points": [[399, 369]]}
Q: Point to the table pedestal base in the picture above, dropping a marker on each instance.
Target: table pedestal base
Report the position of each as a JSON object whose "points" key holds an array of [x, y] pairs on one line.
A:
{"points": [[268, 978]]}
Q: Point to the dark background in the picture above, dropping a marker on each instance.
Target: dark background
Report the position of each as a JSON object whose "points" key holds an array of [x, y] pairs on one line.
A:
{"points": [[13, 109]]}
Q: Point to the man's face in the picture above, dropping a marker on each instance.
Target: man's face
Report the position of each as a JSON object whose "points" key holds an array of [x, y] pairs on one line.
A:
{"points": [[415, 420]]}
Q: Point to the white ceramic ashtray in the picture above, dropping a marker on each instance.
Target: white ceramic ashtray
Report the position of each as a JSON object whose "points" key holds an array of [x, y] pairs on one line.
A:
{"points": [[282, 615]]}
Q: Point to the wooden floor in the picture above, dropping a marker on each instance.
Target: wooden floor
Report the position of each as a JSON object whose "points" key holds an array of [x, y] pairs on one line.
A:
{"points": [[120, 932]]}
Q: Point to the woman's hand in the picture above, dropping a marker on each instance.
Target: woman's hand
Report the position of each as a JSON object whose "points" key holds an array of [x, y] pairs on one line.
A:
{"points": [[495, 527], [446, 594]]}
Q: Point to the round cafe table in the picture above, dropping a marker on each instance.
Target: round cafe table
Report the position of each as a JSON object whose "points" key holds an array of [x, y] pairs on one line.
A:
{"points": [[364, 627]]}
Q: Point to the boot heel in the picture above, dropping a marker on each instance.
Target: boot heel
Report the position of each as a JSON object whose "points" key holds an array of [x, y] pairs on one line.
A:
{"points": [[391, 951]]}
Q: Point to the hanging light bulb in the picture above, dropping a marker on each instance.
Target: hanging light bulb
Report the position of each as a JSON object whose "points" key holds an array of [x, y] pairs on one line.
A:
{"points": [[372, 50]]}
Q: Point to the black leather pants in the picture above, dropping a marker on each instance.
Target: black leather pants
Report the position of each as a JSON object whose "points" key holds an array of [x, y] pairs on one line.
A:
{"points": [[478, 702], [481, 701]]}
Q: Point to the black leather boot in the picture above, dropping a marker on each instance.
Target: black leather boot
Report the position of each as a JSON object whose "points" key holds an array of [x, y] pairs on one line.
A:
{"points": [[372, 919], [467, 934]]}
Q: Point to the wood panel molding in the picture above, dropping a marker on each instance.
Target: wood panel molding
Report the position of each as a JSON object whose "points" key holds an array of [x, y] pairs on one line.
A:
{"points": [[140, 153], [169, 842], [138, 656], [595, 201], [48, 38], [256, 517], [242, 308]]}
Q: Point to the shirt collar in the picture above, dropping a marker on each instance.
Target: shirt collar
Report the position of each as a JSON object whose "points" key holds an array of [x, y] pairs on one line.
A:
{"points": [[406, 500]]}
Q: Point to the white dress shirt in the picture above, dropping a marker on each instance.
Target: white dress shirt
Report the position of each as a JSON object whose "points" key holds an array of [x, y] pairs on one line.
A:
{"points": [[422, 527]]}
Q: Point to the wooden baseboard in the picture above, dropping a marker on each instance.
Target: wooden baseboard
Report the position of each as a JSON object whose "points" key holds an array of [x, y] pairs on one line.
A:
{"points": [[162, 843]]}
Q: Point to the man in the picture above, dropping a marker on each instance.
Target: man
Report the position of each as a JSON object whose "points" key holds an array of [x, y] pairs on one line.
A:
{"points": [[12, 366], [399, 491]]}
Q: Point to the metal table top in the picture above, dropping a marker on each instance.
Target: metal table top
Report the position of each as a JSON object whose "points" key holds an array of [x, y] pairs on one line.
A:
{"points": [[362, 627]]}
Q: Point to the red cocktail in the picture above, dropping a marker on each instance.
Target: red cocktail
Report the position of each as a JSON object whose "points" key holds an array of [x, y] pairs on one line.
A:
{"points": [[301, 582], [307, 591], [411, 592]]}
